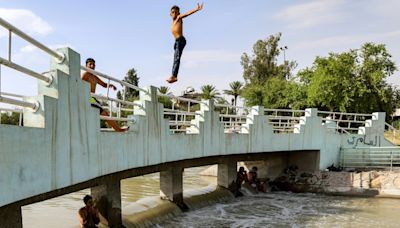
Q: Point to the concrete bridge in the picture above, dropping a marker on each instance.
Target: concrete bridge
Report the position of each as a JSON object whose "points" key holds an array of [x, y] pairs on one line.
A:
{"points": [[61, 148]]}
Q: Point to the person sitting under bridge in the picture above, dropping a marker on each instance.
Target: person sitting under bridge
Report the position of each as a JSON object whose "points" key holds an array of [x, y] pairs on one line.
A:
{"points": [[240, 177], [94, 80], [88, 215], [255, 182]]}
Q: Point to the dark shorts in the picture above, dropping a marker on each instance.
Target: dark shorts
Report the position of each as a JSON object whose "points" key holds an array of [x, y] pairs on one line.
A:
{"points": [[95, 103]]}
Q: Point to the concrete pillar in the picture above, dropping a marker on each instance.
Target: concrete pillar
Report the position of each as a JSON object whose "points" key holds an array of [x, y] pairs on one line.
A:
{"points": [[107, 198], [11, 216], [227, 175], [171, 186]]}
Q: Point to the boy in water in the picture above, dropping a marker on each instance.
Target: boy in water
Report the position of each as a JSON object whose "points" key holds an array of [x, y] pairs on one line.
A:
{"points": [[88, 215], [180, 41]]}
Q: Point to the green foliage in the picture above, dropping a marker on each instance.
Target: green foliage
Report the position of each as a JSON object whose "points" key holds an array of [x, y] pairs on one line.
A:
{"points": [[130, 94], [352, 81], [265, 78], [166, 101], [263, 64], [209, 92], [10, 118]]}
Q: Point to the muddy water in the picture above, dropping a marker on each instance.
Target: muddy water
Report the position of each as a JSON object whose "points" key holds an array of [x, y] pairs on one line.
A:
{"points": [[262, 210]]}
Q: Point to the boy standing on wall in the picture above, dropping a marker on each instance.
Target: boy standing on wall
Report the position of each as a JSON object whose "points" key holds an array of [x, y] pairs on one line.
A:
{"points": [[180, 41]]}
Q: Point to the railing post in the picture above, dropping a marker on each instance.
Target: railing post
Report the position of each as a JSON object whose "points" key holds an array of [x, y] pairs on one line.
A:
{"points": [[144, 97]]}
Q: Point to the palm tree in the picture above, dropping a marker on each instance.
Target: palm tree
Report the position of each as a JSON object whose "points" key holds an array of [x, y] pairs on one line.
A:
{"points": [[235, 91], [164, 90], [209, 92]]}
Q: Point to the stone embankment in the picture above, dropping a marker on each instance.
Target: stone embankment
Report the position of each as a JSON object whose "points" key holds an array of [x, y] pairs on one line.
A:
{"points": [[352, 183]]}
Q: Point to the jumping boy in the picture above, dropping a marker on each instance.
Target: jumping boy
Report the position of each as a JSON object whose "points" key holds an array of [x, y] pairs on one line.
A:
{"points": [[180, 41]]}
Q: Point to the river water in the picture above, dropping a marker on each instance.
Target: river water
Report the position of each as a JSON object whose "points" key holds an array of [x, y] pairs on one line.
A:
{"points": [[277, 209]]}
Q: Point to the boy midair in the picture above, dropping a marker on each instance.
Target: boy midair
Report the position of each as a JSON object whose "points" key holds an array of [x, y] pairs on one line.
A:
{"points": [[180, 41]]}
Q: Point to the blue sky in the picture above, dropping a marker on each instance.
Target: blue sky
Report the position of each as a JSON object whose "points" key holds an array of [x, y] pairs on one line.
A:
{"points": [[125, 34]]}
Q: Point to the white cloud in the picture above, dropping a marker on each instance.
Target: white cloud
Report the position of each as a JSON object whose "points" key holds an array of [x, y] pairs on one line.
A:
{"points": [[26, 21], [312, 13], [346, 41]]}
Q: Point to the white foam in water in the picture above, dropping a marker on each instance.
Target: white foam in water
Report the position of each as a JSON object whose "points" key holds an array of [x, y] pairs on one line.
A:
{"points": [[199, 191], [142, 205], [293, 210]]}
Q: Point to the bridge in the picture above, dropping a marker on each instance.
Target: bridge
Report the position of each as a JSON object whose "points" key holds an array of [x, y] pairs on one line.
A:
{"points": [[59, 146]]}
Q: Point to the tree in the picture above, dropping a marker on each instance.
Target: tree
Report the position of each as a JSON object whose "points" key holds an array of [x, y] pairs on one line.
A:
{"points": [[352, 81], [266, 79], [209, 92], [235, 91], [166, 101], [263, 64], [130, 94], [9, 118]]}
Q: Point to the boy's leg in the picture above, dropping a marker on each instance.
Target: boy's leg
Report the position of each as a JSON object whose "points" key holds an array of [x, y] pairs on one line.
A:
{"points": [[179, 46]]}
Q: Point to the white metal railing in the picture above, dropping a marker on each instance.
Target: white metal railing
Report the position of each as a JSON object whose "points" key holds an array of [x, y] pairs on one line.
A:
{"points": [[370, 157], [344, 122], [392, 134], [181, 112], [109, 79], [44, 77], [115, 106], [233, 117], [284, 120], [12, 29]]}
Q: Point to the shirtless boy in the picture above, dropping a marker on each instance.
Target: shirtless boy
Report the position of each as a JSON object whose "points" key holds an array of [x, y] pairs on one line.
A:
{"points": [[88, 215], [94, 80], [180, 41]]}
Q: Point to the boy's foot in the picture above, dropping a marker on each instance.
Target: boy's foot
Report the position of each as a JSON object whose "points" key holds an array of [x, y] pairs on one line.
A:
{"points": [[172, 79], [123, 129]]}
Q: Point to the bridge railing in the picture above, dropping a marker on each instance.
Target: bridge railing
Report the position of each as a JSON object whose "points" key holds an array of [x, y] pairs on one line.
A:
{"points": [[45, 77], [233, 117], [10, 111], [179, 111], [370, 157], [117, 109], [344, 122], [392, 134], [284, 120]]}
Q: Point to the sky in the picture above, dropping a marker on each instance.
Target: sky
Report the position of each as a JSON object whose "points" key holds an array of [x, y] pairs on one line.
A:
{"points": [[136, 34]]}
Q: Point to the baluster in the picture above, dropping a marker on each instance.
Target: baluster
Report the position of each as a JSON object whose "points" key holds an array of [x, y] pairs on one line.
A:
{"points": [[9, 44], [108, 88]]}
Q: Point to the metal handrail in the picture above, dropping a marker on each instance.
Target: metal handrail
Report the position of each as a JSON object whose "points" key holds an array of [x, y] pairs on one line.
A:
{"points": [[116, 118], [348, 114], [168, 111], [113, 79], [180, 98], [25, 104], [115, 100], [22, 69], [283, 110], [11, 110], [15, 30], [234, 116], [11, 95], [231, 106]]}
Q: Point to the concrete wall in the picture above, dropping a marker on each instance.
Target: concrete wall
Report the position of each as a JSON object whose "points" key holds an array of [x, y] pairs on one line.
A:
{"points": [[62, 145]]}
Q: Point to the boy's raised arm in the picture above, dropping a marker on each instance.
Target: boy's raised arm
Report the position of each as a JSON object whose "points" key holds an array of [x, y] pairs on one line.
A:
{"points": [[199, 7]]}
